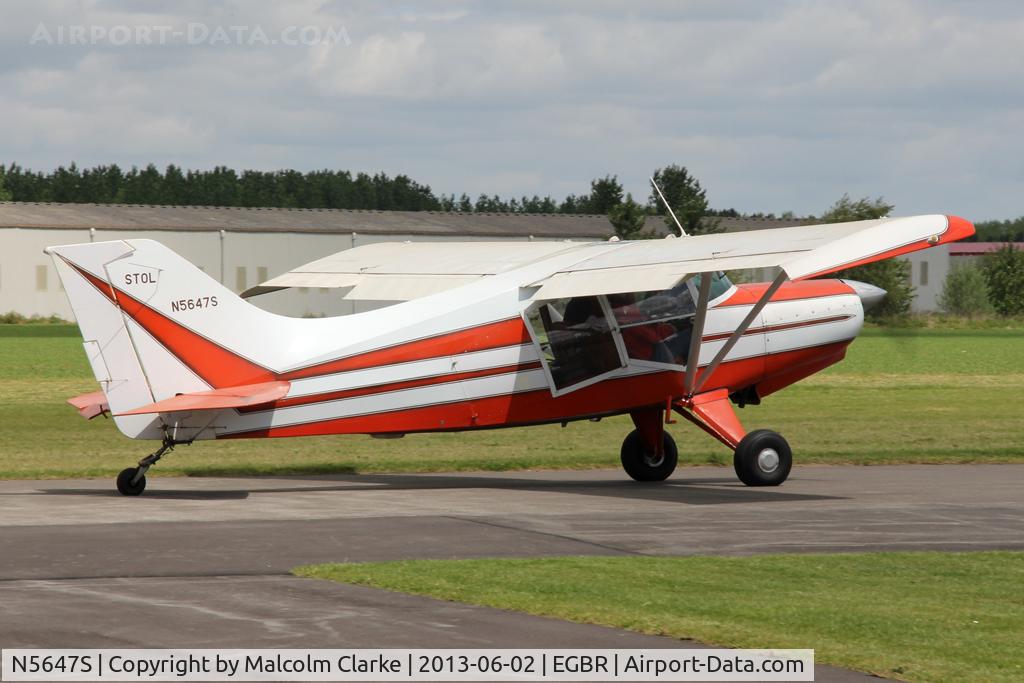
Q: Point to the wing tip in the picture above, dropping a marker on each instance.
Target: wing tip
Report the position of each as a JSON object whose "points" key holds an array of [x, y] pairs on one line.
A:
{"points": [[957, 228]]}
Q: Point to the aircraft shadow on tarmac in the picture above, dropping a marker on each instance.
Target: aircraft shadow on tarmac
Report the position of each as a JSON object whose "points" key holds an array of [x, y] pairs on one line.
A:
{"points": [[167, 494], [694, 491]]}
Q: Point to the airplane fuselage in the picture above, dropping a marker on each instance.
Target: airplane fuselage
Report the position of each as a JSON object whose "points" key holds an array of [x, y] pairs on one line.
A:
{"points": [[493, 375]]}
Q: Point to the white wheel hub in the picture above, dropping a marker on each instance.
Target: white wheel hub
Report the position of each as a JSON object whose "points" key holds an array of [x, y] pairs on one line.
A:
{"points": [[768, 460]]}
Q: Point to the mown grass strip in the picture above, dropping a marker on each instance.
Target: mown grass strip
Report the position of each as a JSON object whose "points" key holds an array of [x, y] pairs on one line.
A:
{"points": [[910, 616]]}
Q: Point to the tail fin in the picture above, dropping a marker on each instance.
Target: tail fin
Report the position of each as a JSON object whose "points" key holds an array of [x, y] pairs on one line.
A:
{"points": [[156, 326]]}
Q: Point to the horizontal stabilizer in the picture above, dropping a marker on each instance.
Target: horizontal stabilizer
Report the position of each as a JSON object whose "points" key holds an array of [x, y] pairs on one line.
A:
{"points": [[216, 399], [90, 405]]}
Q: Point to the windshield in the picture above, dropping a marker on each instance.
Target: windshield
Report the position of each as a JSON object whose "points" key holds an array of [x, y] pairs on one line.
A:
{"points": [[720, 284]]}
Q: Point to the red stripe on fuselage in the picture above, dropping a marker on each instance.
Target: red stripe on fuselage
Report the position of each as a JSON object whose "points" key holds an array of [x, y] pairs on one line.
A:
{"points": [[530, 407], [777, 328], [748, 294], [393, 386], [609, 397], [220, 367], [754, 365], [217, 366], [511, 332]]}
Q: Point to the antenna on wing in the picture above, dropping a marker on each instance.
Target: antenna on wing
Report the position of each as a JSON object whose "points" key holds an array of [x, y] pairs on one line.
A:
{"points": [[682, 233]]}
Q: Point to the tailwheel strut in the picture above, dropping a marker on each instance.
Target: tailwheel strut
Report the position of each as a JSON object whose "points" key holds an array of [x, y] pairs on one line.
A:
{"points": [[132, 481]]}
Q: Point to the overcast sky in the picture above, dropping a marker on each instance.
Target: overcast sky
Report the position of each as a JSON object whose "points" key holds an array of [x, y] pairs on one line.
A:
{"points": [[774, 106]]}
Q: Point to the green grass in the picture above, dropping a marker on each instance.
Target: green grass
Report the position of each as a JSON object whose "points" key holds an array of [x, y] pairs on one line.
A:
{"points": [[910, 395], [913, 616]]}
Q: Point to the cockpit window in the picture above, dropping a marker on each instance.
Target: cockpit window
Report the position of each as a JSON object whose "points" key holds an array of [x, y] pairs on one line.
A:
{"points": [[576, 339], [584, 338], [655, 326]]}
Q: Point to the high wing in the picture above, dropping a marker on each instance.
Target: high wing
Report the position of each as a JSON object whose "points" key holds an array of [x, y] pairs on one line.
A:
{"points": [[407, 270], [801, 252]]}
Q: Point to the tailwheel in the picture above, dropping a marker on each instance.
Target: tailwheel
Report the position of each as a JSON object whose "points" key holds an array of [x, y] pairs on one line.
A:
{"points": [[643, 465], [130, 482], [763, 458]]}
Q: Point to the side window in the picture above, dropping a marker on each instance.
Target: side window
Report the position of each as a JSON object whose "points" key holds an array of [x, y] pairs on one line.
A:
{"points": [[576, 340], [656, 326]]}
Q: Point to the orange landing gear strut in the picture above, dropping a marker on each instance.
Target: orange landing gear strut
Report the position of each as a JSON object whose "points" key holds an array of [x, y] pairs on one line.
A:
{"points": [[712, 412]]}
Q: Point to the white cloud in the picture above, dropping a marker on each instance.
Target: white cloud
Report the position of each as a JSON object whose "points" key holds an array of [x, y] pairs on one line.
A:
{"points": [[774, 106], [390, 66]]}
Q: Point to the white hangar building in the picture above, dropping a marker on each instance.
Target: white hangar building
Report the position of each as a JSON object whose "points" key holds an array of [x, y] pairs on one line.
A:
{"points": [[242, 247]]}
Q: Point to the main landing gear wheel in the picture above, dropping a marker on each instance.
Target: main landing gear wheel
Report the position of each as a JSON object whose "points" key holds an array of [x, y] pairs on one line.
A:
{"points": [[643, 465], [763, 458], [128, 484]]}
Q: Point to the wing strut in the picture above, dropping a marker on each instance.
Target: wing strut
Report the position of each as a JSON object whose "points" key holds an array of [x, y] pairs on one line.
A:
{"points": [[735, 337], [693, 358]]}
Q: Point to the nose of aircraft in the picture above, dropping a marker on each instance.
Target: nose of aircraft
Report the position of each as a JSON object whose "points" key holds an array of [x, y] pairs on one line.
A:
{"points": [[869, 295]]}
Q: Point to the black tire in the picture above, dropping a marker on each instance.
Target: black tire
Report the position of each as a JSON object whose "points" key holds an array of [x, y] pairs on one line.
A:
{"points": [[763, 458], [124, 482], [641, 465]]}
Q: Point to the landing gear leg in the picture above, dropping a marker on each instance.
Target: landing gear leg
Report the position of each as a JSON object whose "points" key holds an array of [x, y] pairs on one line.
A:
{"points": [[132, 481], [649, 452], [760, 458]]}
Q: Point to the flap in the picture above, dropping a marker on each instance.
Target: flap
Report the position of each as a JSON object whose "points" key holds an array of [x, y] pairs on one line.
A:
{"points": [[399, 271], [404, 287]]}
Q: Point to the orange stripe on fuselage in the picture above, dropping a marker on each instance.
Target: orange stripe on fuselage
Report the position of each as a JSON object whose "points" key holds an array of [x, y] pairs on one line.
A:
{"points": [[511, 332], [217, 366], [530, 407], [777, 328], [748, 294], [609, 397], [393, 386], [221, 368]]}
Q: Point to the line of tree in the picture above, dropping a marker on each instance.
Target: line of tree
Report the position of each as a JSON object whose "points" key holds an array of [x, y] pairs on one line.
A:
{"points": [[328, 189], [221, 186], [999, 231]]}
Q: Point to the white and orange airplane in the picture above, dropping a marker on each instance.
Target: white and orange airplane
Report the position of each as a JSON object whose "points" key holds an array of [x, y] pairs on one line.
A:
{"points": [[485, 335]]}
